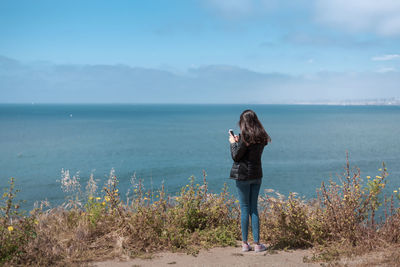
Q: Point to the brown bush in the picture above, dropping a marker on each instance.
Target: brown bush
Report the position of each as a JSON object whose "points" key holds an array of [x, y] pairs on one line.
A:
{"points": [[96, 226]]}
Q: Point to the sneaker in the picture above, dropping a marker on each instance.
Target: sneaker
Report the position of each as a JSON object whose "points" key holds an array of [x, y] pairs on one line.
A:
{"points": [[246, 247], [260, 248]]}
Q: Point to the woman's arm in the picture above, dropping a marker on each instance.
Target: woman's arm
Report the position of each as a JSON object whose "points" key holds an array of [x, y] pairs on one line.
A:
{"points": [[238, 149]]}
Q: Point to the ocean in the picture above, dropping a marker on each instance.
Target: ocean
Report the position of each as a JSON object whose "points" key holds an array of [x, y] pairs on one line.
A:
{"points": [[170, 143]]}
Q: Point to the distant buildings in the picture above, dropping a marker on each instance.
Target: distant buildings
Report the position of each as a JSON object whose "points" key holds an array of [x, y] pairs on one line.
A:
{"points": [[393, 101]]}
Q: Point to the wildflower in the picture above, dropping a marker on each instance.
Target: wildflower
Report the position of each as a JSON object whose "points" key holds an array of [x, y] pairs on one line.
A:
{"points": [[10, 228], [103, 203], [368, 177], [395, 191], [98, 198], [90, 198], [107, 198], [145, 198], [380, 169], [379, 177], [116, 190], [135, 190], [36, 222], [236, 201]]}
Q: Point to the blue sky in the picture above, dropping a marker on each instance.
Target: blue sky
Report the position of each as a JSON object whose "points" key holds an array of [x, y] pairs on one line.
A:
{"points": [[297, 39]]}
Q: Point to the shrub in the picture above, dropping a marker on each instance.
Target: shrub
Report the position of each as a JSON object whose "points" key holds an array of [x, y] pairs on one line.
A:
{"points": [[16, 230], [285, 222], [343, 219], [95, 225]]}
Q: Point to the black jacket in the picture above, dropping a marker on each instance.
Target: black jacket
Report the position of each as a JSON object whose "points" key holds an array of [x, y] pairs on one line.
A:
{"points": [[247, 161]]}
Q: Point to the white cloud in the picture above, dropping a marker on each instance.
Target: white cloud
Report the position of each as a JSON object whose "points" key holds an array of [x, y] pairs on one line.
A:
{"points": [[55, 83], [377, 16], [381, 17], [386, 57], [386, 69]]}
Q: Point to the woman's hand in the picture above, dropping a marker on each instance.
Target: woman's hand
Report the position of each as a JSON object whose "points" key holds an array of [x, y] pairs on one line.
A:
{"points": [[233, 139]]}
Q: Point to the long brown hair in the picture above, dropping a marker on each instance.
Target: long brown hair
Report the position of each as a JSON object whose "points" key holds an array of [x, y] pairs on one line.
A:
{"points": [[252, 130]]}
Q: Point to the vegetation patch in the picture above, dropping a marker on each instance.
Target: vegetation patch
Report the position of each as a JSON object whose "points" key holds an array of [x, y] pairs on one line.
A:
{"points": [[98, 224]]}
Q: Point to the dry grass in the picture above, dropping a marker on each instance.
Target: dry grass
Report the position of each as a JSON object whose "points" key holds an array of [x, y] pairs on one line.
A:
{"points": [[101, 227], [94, 225]]}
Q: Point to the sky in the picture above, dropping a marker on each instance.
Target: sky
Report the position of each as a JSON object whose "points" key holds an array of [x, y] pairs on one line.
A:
{"points": [[198, 51]]}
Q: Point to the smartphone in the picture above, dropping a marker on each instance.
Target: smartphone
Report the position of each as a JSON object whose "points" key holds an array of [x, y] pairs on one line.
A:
{"points": [[231, 132]]}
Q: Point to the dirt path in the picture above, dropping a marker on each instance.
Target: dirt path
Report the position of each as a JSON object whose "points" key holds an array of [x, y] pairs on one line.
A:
{"points": [[228, 256], [233, 256]]}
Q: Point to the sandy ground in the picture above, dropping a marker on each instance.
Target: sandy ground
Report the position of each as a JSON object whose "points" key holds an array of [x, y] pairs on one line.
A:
{"points": [[228, 256], [231, 256]]}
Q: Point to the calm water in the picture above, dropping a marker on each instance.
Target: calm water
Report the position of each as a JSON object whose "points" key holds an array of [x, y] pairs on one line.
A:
{"points": [[172, 142]]}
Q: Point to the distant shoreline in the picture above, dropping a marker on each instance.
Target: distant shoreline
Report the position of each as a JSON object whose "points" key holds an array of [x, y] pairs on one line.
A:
{"points": [[347, 104]]}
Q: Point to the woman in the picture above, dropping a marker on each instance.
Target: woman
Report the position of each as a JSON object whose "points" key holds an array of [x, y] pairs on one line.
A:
{"points": [[246, 151]]}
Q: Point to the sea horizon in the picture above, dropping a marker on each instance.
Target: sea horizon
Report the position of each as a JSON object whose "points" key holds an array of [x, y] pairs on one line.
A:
{"points": [[300, 103]]}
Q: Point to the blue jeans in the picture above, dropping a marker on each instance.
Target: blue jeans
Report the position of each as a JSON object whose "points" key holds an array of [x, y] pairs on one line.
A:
{"points": [[248, 197]]}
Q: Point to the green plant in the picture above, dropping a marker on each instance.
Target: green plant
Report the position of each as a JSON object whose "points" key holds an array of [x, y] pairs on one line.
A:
{"points": [[285, 222], [93, 210], [16, 229]]}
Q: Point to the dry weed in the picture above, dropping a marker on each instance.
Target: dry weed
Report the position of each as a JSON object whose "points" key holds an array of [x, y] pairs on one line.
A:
{"points": [[95, 225]]}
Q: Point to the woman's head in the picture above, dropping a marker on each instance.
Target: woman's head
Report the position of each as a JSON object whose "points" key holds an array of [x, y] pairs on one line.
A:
{"points": [[252, 130]]}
